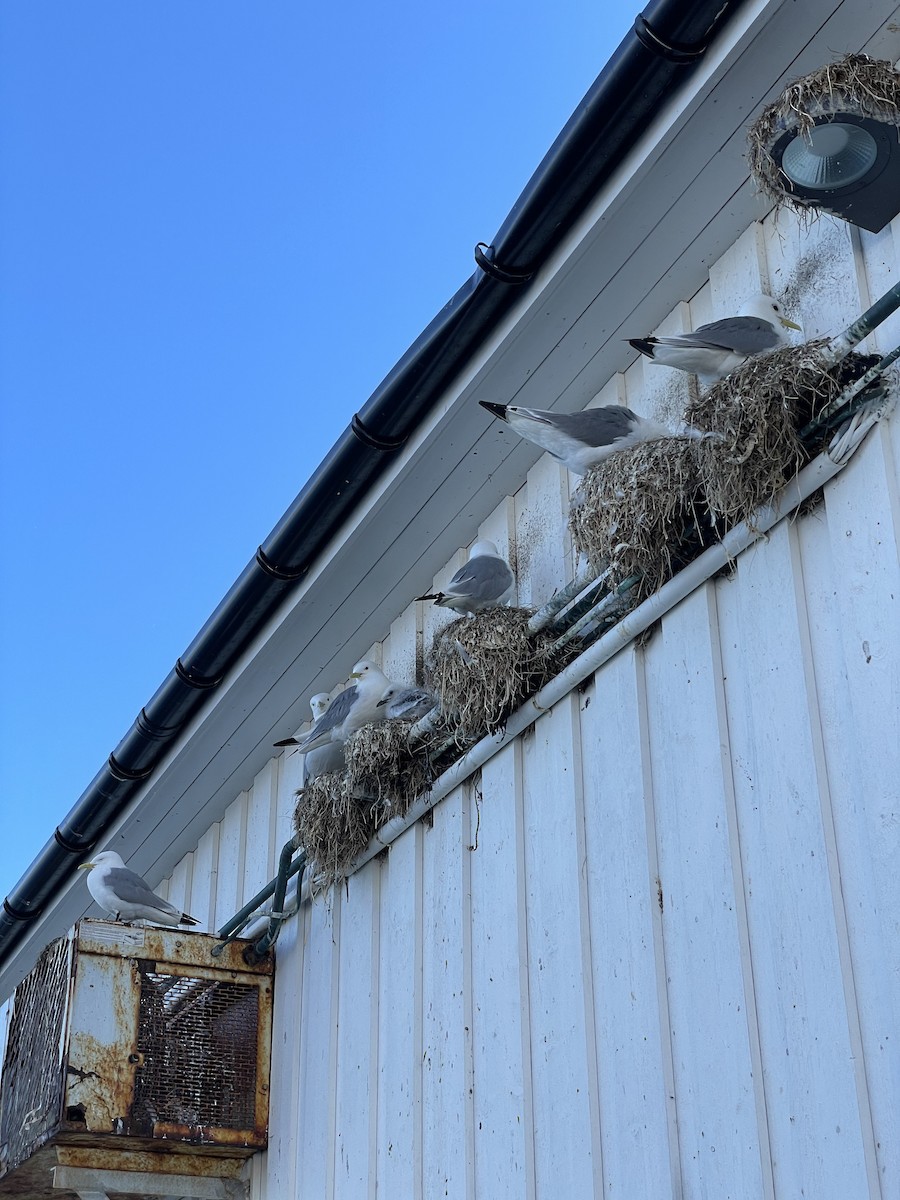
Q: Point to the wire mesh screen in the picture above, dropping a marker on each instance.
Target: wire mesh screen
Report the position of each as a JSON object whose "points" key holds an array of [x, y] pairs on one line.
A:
{"points": [[32, 1081], [198, 1042]]}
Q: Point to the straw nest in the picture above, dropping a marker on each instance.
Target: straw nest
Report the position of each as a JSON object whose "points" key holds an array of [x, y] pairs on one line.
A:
{"points": [[484, 667], [641, 513], [383, 766], [333, 826], [755, 414], [856, 83]]}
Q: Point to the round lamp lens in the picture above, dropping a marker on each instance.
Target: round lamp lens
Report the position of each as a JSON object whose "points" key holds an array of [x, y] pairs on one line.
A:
{"points": [[830, 156]]}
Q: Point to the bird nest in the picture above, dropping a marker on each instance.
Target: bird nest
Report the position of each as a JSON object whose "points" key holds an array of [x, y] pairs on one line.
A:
{"points": [[484, 667], [333, 826], [384, 766], [866, 86], [640, 513], [754, 415]]}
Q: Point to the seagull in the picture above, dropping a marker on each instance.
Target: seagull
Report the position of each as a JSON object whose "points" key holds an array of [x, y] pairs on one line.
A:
{"points": [[355, 706], [486, 581], [714, 350], [582, 440], [328, 758], [125, 896], [407, 703]]}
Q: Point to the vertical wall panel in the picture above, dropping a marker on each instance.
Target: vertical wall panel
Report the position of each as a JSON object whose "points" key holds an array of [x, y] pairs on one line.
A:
{"points": [[446, 980], [315, 1062], [717, 1127], [503, 1114], [566, 1137], [231, 856], [357, 1046], [285, 1144], [398, 1161], [816, 1130], [541, 531], [629, 984], [260, 852], [871, 937]]}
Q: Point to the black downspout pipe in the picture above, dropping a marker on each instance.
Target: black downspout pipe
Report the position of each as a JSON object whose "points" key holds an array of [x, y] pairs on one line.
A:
{"points": [[654, 59]]}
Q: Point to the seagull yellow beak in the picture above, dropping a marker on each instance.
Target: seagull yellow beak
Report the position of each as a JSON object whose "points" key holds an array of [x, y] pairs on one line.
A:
{"points": [[790, 324], [355, 675], [85, 866]]}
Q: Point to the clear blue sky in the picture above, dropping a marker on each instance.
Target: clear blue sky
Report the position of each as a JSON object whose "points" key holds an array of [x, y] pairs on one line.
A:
{"points": [[222, 224]]}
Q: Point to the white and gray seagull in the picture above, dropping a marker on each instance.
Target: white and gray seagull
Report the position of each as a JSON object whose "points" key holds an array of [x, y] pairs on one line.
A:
{"points": [[712, 351], [124, 895], [582, 440], [407, 703], [486, 581], [328, 758], [355, 706]]}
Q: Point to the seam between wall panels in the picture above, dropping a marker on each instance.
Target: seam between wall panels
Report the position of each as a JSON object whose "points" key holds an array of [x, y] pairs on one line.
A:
{"points": [[740, 895], [333, 1027], [845, 954], [374, 1023], [419, 1018], [524, 987], [467, 996], [584, 920], [659, 948]]}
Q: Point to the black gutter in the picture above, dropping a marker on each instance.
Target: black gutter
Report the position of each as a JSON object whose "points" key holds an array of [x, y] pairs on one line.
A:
{"points": [[654, 59]]}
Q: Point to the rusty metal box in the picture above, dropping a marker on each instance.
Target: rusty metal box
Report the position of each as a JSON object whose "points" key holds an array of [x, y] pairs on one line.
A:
{"points": [[125, 1041]]}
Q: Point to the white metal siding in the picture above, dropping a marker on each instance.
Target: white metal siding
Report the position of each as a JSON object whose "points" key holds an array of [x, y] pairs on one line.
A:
{"points": [[651, 949]]}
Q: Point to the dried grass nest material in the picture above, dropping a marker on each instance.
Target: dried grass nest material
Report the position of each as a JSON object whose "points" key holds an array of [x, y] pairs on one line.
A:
{"points": [[641, 513], [382, 764], [856, 83], [333, 826], [757, 411], [484, 667]]}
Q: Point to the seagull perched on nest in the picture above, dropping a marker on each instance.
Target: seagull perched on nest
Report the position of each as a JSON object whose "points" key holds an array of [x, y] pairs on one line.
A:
{"points": [[328, 758], [352, 708], [486, 581], [407, 703], [125, 896], [582, 440], [712, 351]]}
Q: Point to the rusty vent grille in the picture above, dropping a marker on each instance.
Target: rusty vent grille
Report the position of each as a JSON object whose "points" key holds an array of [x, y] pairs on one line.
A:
{"points": [[32, 1066], [198, 1041]]}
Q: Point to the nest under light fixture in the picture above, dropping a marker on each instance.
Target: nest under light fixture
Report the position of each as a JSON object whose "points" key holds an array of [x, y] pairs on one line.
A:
{"points": [[832, 142]]}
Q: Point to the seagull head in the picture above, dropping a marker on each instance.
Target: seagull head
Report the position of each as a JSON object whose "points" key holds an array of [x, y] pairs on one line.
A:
{"points": [[319, 704], [769, 310], [481, 548], [106, 858]]}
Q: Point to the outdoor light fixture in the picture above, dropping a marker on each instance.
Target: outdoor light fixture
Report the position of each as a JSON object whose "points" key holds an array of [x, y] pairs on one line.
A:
{"points": [[846, 164], [831, 142]]}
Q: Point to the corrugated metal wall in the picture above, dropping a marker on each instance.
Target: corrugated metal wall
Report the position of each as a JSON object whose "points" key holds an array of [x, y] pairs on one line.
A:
{"points": [[651, 949]]}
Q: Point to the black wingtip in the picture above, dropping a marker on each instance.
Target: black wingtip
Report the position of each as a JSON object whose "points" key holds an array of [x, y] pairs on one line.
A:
{"points": [[496, 410], [286, 742], [645, 345], [435, 596]]}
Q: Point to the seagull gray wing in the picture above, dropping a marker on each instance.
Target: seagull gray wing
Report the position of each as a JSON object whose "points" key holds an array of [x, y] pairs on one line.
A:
{"points": [[742, 335], [335, 714], [481, 579], [131, 889], [596, 426]]}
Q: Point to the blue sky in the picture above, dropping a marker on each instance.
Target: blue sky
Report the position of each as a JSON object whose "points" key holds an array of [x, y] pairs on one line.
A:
{"points": [[222, 225]]}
